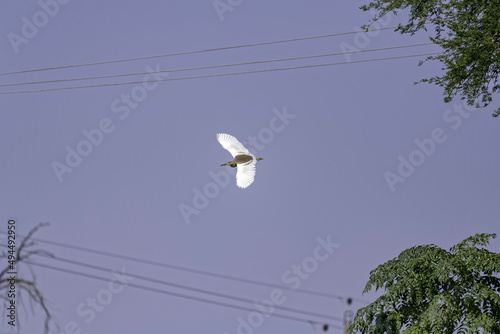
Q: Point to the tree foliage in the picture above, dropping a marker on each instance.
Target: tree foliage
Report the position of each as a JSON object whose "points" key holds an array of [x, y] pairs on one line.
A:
{"points": [[431, 290], [468, 32]]}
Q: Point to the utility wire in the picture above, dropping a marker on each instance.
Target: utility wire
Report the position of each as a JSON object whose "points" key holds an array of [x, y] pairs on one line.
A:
{"points": [[217, 75], [203, 300], [180, 268], [180, 286], [214, 66], [194, 51]]}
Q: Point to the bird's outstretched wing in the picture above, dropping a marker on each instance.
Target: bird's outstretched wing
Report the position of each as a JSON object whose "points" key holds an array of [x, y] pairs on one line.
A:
{"points": [[245, 174], [231, 144]]}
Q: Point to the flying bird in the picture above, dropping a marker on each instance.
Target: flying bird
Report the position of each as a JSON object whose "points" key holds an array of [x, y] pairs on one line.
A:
{"points": [[243, 159]]}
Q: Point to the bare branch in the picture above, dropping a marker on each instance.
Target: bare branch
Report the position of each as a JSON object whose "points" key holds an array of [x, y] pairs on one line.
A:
{"points": [[28, 285]]}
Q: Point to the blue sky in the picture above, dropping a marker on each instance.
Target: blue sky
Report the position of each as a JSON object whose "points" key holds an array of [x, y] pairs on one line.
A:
{"points": [[331, 138]]}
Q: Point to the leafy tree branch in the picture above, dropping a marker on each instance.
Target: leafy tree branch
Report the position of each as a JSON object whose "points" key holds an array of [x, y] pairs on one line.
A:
{"points": [[468, 32], [432, 290]]}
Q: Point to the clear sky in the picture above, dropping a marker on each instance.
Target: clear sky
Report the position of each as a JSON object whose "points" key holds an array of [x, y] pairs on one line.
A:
{"points": [[359, 163]]}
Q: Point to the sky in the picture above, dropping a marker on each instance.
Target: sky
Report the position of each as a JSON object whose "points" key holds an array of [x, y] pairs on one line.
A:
{"points": [[359, 163]]}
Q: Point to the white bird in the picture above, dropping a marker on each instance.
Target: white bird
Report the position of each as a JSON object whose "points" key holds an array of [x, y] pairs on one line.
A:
{"points": [[243, 159]]}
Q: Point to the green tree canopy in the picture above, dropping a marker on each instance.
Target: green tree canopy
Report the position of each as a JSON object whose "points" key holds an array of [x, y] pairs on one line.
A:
{"points": [[468, 32], [431, 290]]}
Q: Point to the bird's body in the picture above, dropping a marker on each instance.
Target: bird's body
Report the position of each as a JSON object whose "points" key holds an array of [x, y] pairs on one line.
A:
{"points": [[243, 159], [239, 159]]}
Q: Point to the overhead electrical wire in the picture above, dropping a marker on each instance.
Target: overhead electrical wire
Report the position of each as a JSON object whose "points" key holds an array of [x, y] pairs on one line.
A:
{"points": [[191, 270], [218, 75], [194, 51], [189, 288], [245, 300], [214, 66], [156, 290]]}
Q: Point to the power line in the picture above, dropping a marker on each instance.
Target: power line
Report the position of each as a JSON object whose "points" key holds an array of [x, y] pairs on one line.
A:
{"points": [[194, 51], [180, 286], [218, 75], [203, 300], [191, 270], [215, 66]]}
